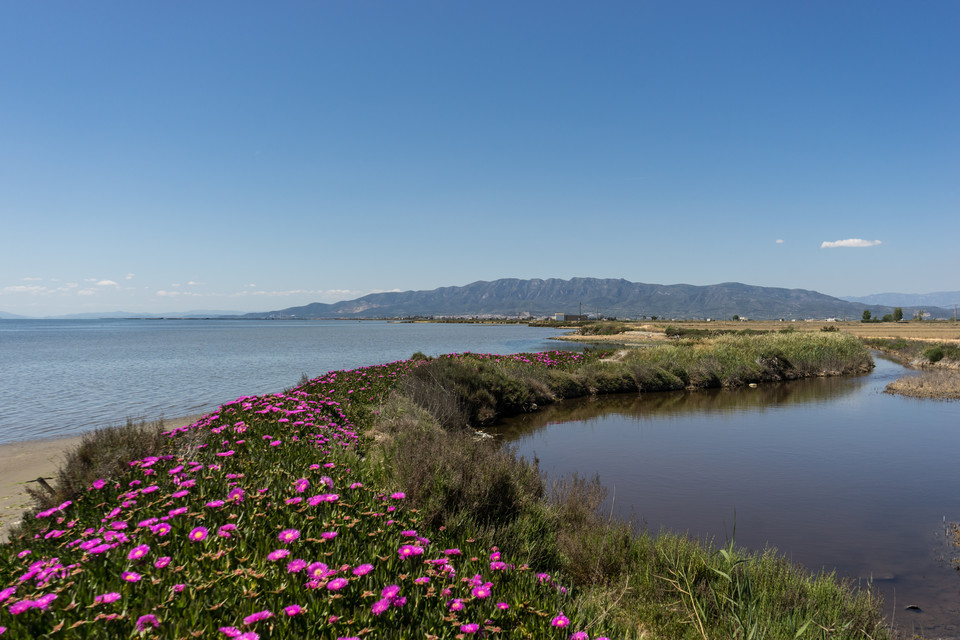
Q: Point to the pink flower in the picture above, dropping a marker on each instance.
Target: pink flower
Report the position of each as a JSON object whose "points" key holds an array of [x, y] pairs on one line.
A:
{"points": [[288, 535], [363, 569], [503, 606], [301, 485], [328, 535], [473, 627], [138, 552], [258, 616], [198, 534], [293, 610], [337, 583], [399, 495], [130, 576], [149, 620], [278, 554], [296, 566], [410, 550], [162, 562], [560, 621], [107, 598], [380, 606]]}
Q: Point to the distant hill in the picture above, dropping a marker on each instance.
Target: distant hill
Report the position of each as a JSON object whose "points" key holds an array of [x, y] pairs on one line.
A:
{"points": [[611, 297], [945, 299], [11, 316]]}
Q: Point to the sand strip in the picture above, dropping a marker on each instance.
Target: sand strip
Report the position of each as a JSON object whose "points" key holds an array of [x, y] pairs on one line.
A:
{"points": [[21, 463]]}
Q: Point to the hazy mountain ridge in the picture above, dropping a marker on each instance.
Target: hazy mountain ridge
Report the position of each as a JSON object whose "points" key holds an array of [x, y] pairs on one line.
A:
{"points": [[945, 299], [611, 297]]}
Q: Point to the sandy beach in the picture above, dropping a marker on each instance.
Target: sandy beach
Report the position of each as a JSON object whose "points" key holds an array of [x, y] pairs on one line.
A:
{"points": [[21, 463]]}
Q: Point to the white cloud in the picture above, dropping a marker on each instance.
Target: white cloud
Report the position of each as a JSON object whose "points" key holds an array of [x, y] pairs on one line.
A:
{"points": [[106, 283], [129, 276], [192, 283], [779, 240], [24, 288], [29, 279], [850, 242], [86, 292]]}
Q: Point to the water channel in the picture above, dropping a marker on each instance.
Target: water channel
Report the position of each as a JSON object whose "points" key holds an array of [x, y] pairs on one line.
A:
{"points": [[833, 473]]}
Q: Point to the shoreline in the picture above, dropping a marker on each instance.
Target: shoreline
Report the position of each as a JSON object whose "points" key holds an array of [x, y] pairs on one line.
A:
{"points": [[21, 463]]}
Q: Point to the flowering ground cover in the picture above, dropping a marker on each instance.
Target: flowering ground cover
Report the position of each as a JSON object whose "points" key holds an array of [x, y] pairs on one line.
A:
{"points": [[259, 521], [360, 504]]}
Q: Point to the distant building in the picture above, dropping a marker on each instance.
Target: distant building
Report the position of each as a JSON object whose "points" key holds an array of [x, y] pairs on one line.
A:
{"points": [[569, 317]]}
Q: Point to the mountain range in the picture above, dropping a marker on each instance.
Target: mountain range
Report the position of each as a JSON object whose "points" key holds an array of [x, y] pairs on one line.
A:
{"points": [[945, 299], [511, 297]]}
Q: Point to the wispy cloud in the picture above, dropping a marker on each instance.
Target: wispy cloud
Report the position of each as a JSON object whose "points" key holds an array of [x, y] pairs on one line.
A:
{"points": [[106, 283], [24, 288], [129, 276], [779, 240], [850, 242]]}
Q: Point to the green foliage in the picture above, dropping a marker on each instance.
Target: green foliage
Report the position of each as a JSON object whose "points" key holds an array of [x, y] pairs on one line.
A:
{"points": [[887, 317], [866, 315], [898, 314]]}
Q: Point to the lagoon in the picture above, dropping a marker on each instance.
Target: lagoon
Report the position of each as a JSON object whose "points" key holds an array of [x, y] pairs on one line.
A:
{"points": [[63, 377], [832, 472]]}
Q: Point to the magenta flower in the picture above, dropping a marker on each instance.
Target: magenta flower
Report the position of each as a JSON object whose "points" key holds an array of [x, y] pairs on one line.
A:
{"points": [[399, 495], [380, 606], [473, 627], [301, 485], [317, 570], [161, 529], [162, 562], [198, 534], [328, 535], [138, 552], [296, 566], [107, 598], [288, 535], [278, 554], [147, 621], [503, 606], [293, 610], [410, 550], [6, 593], [580, 635], [390, 592], [337, 583], [258, 616], [130, 576], [213, 504], [482, 591], [363, 569], [224, 530], [560, 621]]}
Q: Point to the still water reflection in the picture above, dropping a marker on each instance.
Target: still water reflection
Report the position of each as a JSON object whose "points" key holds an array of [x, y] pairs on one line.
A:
{"points": [[832, 472]]}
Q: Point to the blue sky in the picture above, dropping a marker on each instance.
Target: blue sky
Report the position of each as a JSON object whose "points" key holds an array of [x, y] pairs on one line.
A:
{"points": [[166, 156]]}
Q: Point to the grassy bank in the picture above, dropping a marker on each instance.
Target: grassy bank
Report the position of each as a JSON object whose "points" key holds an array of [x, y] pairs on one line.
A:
{"points": [[939, 362], [360, 503]]}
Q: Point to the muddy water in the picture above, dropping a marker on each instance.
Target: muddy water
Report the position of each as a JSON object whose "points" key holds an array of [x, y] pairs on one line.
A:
{"points": [[833, 473]]}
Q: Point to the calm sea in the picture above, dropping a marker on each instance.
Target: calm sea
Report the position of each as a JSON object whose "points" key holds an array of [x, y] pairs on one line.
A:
{"points": [[64, 377]]}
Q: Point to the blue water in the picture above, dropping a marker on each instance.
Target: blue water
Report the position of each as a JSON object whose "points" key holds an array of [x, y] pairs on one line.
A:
{"points": [[833, 473], [64, 377]]}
